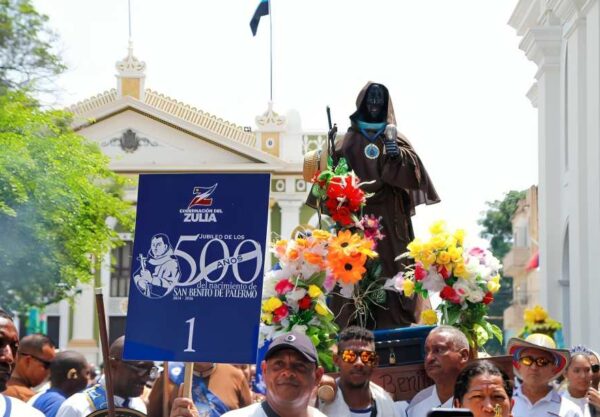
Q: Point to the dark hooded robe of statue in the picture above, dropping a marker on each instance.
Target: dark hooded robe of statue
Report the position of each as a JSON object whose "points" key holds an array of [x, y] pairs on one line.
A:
{"points": [[398, 183]]}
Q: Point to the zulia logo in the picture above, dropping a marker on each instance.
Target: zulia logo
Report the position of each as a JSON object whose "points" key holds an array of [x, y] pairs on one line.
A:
{"points": [[202, 196]]}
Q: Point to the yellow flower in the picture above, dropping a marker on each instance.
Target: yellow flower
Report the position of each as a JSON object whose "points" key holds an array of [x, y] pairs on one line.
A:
{"points": [[493, 286], [455, 254], [322, 309], [438, 242], [460, 236], [450, 241], [272, 304], [427, 258], [443, 258], [428, 317], [314, 291], [408, 287], [438, 227], [536, 314], [460, 270], [415, 247], [321, 234], [267, 318]]}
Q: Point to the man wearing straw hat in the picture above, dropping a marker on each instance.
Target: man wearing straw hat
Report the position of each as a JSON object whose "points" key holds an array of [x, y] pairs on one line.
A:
{"points": [[537, 362]]}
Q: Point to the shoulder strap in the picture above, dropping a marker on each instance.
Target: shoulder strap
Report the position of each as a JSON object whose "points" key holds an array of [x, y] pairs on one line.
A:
{"points": [[97, 397], [268, 410], [8, 405]]}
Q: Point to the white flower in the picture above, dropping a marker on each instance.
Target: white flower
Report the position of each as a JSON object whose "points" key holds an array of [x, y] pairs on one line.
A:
{"points": [[433, 281], [299, 328], [296, 295], [346, 290], [469, 290]]}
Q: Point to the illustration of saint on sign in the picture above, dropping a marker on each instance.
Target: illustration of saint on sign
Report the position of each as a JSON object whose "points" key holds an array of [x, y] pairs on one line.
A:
{"points": [[159, 272]]}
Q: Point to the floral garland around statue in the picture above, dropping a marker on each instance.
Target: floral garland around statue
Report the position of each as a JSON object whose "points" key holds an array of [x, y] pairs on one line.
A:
{"points": [[465, 278]]}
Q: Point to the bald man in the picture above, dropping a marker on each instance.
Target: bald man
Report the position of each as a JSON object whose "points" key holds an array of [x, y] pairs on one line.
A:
{"points": [[129, 379], [68, 375]]}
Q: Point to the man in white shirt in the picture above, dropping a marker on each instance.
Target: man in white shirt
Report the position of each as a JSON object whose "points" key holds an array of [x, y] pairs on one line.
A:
{"points": [[356, 395], [129, 379], [291, 372], [9, 343], [446, 354], [537, 362]]}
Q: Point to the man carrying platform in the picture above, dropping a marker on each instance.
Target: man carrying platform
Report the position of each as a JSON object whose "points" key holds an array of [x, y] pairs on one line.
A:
{"points": [[129, 379], [446, 354], [291, 372], [356, 395]]}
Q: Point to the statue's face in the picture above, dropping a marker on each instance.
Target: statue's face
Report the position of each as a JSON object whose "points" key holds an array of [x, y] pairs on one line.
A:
{"points": [[158, 246], [375, 102]]}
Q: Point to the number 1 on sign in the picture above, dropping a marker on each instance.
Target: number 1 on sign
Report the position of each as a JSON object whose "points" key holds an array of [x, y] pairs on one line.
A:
{"points": [[190, 335]]}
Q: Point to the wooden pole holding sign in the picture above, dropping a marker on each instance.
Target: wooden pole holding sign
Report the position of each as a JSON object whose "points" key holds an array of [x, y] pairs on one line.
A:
{"points": [[110, 399], [187, 379]]}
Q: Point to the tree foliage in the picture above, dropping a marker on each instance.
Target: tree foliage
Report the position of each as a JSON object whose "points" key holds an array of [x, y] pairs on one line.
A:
{"points": [[26, 46], [56, 193], [497, 225]]}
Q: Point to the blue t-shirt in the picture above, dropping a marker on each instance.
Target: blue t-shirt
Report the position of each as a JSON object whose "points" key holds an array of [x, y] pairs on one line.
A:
{"points": [[49, 402]]}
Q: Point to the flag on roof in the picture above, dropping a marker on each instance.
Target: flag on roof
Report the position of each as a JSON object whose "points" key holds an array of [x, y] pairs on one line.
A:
{"points": [[261, 10]]}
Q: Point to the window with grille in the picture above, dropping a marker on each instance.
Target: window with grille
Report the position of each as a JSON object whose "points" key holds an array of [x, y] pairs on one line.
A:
{"points": [[120, 270]]}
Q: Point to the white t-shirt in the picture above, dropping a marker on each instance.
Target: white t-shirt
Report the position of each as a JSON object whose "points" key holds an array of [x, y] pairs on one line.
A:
{"points": [[551, 405], [79, 405], [425, 400], [255, 410], [582, 402], [339, 408], [18, 408]]}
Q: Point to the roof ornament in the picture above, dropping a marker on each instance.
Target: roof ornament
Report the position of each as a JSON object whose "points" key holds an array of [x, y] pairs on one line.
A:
{"points": [[270, 121]]}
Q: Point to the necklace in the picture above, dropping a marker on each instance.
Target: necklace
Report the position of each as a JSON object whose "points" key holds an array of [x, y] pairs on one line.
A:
{"points": [[206, 372], [371, 150]]}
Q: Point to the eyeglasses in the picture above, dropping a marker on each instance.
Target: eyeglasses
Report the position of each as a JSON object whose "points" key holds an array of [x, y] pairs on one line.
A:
{"points": [[596, 368], [366, 356], [540, 362], [139, 368], [46, 364]]}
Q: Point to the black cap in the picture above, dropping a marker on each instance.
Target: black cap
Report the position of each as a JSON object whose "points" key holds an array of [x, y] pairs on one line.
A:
{"points": [[297, 341]]}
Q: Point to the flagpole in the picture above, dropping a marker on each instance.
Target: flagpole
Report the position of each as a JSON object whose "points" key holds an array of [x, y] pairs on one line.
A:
{"points": [[271, 50]]}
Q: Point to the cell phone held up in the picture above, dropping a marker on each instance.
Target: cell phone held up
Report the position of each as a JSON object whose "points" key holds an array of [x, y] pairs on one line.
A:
{"points": [[450, 412]]}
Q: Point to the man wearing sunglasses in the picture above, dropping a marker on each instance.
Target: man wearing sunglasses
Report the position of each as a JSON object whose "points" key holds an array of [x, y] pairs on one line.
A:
{"points": [[36, 353], [356, 394], [128, 378], [537, 362], [9, 343]]}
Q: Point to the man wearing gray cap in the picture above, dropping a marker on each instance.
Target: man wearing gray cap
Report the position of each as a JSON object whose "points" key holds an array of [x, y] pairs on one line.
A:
{"points": [[291, 371]]}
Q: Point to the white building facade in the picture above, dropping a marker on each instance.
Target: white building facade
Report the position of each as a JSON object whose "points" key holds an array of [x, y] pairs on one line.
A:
{"points": [[142, 131], [563, 38]]}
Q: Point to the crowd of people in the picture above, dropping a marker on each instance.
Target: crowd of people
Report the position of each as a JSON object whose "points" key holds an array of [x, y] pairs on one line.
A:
{"points": [[547, 381]]}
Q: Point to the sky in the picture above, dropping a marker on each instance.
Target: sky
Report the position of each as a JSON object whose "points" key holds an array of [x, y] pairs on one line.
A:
{"points": [[453, 68]]}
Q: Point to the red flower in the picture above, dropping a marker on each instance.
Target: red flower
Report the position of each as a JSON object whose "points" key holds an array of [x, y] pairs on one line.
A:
{"points": [[345, 190], [284, 286], [443, 271], [448, 293], [420, 272], [341, 215], [488, 298], [280, 313], [304, 303]]}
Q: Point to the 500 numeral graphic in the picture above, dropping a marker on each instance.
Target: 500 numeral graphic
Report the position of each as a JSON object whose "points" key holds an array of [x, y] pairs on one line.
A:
{"points": [[202, 269]]}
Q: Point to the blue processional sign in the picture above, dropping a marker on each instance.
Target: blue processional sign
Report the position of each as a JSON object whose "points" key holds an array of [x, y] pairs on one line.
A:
{"points": [[197, 267]]}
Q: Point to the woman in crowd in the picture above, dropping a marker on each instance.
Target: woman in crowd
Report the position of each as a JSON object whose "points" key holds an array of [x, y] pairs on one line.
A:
{"points": [[484, 389], [578, 379]]}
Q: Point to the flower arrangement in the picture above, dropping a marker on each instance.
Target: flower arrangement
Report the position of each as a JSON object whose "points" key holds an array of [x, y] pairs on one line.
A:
{"points": [[537, 320], [465, 278], [309, 266]]}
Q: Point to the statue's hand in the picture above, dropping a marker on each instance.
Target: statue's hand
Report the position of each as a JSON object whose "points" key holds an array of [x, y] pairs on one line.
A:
{"points": [[391, 146]]}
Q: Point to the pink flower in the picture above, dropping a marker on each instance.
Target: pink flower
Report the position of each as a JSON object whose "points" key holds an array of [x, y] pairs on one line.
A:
{"points": [[284, 286], [329, 282]]}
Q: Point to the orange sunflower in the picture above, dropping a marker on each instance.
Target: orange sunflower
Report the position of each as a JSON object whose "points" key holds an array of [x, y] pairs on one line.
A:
{"points": [[347, 243], [348, 269]]}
